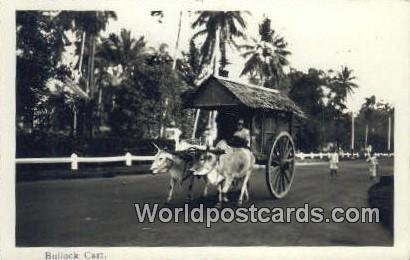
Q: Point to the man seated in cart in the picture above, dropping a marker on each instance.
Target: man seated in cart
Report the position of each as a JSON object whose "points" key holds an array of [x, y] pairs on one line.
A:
{"points": [[242, 136]]}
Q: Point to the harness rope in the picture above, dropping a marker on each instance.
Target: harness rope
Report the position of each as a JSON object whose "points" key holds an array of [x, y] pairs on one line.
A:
{"points": [[213, 168], [171, 164]]}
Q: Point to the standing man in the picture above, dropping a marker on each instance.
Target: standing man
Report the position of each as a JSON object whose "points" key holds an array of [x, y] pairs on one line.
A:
{"points": [[373, 163], [334, 162]]}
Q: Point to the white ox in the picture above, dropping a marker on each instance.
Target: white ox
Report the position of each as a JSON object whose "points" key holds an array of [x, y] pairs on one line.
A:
{"points": [[223, 170], [176, 166]]}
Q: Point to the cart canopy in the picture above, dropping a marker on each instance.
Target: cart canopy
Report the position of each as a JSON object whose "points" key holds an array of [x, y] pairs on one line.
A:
{"points": [[216, 92]]}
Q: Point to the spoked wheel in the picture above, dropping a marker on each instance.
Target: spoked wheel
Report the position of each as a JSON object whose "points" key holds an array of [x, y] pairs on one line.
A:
{"points": [[280, 166]]}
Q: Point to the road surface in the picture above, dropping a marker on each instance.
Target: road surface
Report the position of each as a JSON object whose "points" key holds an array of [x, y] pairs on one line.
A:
{"points": [[101, 212]]}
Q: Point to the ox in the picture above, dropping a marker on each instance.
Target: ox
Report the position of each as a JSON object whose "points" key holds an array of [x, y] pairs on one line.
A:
{"points": [[225, 169], [177, 165]]}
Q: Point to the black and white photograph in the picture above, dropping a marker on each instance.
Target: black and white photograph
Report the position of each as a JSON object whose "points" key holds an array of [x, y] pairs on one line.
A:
{"points": [[267, 125]]}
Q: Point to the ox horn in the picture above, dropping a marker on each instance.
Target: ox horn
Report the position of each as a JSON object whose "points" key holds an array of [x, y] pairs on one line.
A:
{"points": [[156, 146]]}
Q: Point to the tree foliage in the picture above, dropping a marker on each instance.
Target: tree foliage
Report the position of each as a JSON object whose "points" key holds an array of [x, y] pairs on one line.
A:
{"points": [[218, 27], [266, 57], [131, 79], [316, 94], [135, 83], [39, 51]]}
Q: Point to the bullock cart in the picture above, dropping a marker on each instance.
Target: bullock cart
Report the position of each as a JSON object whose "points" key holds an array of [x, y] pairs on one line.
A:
{"points": [[270, 116]]}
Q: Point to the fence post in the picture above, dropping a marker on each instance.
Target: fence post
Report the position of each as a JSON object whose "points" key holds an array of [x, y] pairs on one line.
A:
{"points": [[321, 155], [128, 159], [74, 162]]}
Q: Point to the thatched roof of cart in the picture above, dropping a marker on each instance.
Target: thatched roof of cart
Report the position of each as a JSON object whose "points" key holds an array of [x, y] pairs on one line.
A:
{"points": [[251, 96]]}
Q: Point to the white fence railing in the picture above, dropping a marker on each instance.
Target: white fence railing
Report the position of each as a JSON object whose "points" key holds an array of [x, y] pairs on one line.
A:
{"points": [[128, 158], [303, 156], [74, 160]]}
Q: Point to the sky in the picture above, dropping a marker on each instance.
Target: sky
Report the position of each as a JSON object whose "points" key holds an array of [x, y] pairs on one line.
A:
{"points": [[370, 37]]}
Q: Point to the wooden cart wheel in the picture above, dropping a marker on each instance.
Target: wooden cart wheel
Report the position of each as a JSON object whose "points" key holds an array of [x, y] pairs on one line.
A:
{"points": [[280, 166]]}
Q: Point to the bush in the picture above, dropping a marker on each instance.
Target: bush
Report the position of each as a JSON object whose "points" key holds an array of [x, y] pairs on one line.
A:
{"points": [[40, 144]]}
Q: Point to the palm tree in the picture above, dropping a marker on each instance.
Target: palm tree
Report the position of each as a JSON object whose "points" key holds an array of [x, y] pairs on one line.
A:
{"points": [[116, 57], [122, 50], [87, 25], [368, 108], [266, 57], [220, 29], [160, 15], [342, 83]]}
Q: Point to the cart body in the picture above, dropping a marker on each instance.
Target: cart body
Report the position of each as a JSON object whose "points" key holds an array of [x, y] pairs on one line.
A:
{"points": [[270, 116]]}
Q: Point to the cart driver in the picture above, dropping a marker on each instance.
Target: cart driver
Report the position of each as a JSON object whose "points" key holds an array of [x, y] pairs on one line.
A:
{"points": [[240, 138], [242, 133]]}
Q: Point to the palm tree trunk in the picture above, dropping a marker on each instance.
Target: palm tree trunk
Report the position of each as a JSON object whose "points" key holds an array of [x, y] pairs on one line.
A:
{"points": [[80, 64], [87, 82], [352, 135], [90, 84], [198, 111], [75, 121], [214, 55], [99, 106], [81, 53], [214, 66], [113, 102], [164, 114], [366, 133], [222, 48], [389, 134], [174, 63], [263, 78], [92, 58]]}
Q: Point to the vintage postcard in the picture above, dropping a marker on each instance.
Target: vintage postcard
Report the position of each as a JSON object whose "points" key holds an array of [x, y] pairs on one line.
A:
{"points": [[202, 129]]}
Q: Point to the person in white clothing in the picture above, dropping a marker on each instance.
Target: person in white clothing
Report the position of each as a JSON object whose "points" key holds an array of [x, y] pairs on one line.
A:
{"points": [[373, 163], [334, 163], [209, 136], [173, 133]]}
